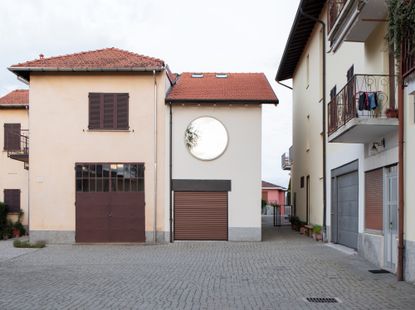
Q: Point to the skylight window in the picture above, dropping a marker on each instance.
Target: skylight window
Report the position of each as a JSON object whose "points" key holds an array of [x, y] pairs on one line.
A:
{"points": [[197, 75], [221, 75]]}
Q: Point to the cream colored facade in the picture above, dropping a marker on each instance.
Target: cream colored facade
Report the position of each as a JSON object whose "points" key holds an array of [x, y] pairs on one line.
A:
{"points": [[59, 138], [240, 163], [370, 57], [12, 172]]}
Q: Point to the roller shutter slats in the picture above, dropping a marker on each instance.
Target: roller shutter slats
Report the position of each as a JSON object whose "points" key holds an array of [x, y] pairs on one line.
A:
{"points": [[201, 215]]}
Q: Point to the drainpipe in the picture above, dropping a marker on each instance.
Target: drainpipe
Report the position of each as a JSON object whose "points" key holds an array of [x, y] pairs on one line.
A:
{"points": [[401, 246], [28, 172], [323, 25], [171, 173], [155, 159]]}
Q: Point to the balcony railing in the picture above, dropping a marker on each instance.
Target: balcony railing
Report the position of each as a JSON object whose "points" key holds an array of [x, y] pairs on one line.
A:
{"points": [[21, 153], [285, 162], [408, 57], [335, 7], [364, 96]]}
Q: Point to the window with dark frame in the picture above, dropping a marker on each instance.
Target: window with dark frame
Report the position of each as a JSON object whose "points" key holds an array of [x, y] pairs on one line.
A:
{"points": [[12, 200], [109, 177], [302, 182], [108, 111], [11, 137]]}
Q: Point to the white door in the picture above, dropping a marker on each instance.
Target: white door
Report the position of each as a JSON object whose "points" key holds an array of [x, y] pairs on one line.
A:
{"points": [[391, 217]]}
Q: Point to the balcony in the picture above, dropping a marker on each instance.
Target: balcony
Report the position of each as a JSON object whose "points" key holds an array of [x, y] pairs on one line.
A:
{"points": [[363, 110], [21, 153], [286, 160], [354, 20]]}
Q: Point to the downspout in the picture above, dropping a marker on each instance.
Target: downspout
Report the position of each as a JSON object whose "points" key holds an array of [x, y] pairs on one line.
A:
{"points": [[28, 172], [171, 173], [323, 25], [401, 144], [155, 159]]}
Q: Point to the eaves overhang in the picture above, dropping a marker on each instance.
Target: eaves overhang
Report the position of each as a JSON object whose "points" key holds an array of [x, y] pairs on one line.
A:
{"points": [[298, 38]]}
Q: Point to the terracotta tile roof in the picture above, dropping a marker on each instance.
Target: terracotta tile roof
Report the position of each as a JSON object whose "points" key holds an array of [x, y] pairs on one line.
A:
{"points": [[18, 97], [266, 184], [222, 87], [107, 59]]}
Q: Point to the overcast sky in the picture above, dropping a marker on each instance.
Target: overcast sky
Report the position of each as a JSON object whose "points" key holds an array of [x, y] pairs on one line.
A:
{"points": [[189, 35]]}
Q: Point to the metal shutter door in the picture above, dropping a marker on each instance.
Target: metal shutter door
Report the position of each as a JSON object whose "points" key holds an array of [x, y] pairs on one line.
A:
{"points": [[348, 209], [201, 215]]}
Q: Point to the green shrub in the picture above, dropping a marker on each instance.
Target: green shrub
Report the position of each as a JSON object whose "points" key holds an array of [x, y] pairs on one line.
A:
{"points": [[19, 226], [26, 244], [295, 220], [316, 229]]}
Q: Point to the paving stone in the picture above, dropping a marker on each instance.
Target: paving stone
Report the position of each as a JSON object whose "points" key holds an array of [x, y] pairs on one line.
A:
{"points": [[278, 273]]}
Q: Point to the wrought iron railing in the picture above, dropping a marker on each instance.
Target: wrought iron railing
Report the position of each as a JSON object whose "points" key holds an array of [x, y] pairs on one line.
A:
{"points": [[285, 162], [408, 57], [21, 153], [335, 7], [364, 96]]}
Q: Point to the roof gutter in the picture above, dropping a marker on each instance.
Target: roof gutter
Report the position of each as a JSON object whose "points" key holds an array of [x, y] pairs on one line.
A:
{"points": [[56, 69], [282, 84], [323, 25], [14, 106], [221, 101]]}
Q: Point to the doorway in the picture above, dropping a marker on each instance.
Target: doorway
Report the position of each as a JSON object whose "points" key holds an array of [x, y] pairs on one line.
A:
{"points": [[390, 217]]}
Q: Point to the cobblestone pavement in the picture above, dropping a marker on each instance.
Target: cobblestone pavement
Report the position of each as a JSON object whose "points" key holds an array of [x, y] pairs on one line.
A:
{"points": [[278, 273]]}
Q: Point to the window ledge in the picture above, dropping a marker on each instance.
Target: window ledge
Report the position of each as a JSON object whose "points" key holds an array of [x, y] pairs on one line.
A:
{"points": [[108, 130]]}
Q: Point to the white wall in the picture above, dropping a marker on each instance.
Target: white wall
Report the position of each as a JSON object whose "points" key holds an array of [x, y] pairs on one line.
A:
{"points": [[241, 162]]}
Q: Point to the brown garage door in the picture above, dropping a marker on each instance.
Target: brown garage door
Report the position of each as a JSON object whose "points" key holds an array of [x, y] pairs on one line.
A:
{"points": [[201, 215], [110, 203]]}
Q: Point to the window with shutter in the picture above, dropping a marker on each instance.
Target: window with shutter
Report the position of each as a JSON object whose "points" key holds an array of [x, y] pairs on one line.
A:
{"points": [[12, 137], [108, 111], [12, 200]]}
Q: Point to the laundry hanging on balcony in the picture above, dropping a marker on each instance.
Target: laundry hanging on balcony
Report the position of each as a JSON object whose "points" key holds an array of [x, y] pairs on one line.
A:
{"points": [[368, 101]]}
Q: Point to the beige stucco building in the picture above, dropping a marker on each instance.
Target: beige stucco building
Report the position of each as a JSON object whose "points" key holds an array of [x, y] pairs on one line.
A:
{"points": [[14, 119], [108, 156], [360, 156]]}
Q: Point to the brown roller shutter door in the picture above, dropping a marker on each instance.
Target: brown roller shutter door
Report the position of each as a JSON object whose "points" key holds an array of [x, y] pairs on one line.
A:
{"points": [[374, 199], [201, 215]]}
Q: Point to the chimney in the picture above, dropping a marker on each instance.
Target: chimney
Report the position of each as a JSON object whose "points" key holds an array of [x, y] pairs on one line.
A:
{"points": [[41, 56]]}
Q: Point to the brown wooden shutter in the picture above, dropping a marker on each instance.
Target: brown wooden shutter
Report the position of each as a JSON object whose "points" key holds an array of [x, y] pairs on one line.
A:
{"points": [[374, 199], [122, 111], [12, 200], [12, 137], [94, 111], [109, 112]]}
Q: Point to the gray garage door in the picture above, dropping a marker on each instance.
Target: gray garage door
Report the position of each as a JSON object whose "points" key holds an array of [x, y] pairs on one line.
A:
{"points": [[345, 209]]}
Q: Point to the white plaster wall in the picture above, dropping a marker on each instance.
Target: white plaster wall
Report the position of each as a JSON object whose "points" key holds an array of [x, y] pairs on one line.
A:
{"points": [[241, 162], [59, 138], [12, 172], [409, 163]]}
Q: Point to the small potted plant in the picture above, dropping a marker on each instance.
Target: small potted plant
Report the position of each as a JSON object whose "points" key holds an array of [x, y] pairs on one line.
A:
{"points": [[18, 230], [391, 113], [295, 222], [317, 233]]}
